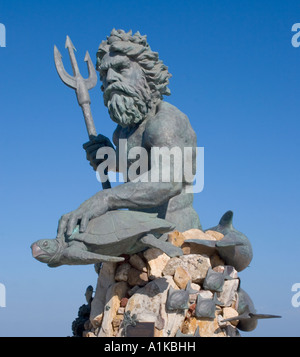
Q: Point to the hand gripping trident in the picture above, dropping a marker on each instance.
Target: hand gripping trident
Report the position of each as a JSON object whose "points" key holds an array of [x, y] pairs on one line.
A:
{"points": [[81, 86]]}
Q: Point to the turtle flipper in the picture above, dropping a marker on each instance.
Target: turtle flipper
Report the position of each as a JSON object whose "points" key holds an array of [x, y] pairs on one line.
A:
{"points": [[74, 256], [171, 250]]}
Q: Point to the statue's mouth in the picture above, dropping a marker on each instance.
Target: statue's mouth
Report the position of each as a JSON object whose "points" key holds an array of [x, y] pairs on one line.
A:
{"points": [[36, 250]]}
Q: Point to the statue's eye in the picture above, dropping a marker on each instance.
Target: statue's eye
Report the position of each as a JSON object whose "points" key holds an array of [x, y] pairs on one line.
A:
{"points": [[45, 244]]}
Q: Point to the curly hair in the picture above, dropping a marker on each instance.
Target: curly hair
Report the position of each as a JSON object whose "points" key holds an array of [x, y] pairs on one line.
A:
{"points": [[136, 48]]}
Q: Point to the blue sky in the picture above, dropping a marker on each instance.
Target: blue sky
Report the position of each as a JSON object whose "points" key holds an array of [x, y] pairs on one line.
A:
{"points": [[237, 77]]}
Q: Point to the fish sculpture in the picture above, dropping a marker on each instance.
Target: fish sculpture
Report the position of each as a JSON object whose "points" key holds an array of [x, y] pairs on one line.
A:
{"points": [[206, 307], [178, 299], [214, 280], [180, 334]]}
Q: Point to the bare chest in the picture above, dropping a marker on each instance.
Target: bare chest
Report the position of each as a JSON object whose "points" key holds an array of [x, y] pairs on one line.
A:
{"points": [[129, 143]]}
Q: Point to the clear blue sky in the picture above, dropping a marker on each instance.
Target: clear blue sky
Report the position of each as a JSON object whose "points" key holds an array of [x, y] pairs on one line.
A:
{"points": [[237, 77]]}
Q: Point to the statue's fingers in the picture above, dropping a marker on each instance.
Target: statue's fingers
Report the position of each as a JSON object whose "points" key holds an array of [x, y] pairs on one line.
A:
{"points": [[93, 148], [72, 222], [62, 225], [88, 144], [84, 222]]}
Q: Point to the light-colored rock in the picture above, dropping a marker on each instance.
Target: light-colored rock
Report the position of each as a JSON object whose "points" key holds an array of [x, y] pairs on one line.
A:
{"points": [[207, 328], [219, 269], [197, 234], [121, 311], [181, 277], [138, 263], [113, 297], [176, 238], [171, 266], [122, 272], [193, 248], [196, 265], [220, 319], [97, 320], [158, 333], [116, 322], [228, 294], [137, 277], [229, 312], [196, 287], [148, 304], [156, 260], [106, 278], [206, 294], [216, 235], [193, 297]]}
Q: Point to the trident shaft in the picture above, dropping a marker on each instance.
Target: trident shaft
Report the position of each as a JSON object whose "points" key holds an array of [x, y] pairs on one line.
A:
{"points": [[81, 86], [77, 82]]}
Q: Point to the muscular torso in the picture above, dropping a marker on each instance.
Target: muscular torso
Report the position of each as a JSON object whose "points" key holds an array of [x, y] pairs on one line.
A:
{"points": [[169, 127]]}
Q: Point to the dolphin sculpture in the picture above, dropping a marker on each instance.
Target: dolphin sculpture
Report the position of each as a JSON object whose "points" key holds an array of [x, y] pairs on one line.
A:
{"points": [[234, 248], [247, 314]]}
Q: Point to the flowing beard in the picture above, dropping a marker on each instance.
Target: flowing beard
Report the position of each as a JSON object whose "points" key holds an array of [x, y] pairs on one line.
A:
{"points": [[125, 110], [127, 106]]}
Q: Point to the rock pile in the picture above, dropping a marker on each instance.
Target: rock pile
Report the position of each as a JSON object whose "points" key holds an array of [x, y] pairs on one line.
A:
{"points": [[139, 290]]}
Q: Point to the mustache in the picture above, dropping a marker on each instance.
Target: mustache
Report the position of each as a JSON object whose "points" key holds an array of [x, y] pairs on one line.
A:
{"points": [[120, 88]]}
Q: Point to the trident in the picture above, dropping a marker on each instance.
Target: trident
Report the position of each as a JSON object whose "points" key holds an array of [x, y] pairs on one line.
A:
{"points": [[81, 86]]}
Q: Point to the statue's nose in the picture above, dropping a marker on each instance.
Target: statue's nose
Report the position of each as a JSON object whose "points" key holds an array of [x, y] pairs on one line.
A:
{"points": [[111, 76]]}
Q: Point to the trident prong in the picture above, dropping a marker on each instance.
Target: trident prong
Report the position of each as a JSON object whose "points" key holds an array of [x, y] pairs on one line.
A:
{"points": [[77, 82], [81, 86]]}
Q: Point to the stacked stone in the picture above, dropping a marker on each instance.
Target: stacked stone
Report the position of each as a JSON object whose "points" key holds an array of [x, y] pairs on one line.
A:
{"points": [[136, 290]]}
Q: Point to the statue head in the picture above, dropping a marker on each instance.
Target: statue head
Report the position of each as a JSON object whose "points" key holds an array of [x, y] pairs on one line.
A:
{"points": [[134, 79]]}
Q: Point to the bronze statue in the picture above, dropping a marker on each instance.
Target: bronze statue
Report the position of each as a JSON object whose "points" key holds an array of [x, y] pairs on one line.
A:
{"points": [[134, 81]]}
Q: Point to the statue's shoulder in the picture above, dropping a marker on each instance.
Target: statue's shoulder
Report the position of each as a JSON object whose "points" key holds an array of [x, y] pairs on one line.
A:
{"points": [[169, 123], [170, 112]]}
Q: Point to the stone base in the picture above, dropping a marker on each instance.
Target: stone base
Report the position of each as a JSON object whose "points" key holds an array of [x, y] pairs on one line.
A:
{"points": [[136, 290]]}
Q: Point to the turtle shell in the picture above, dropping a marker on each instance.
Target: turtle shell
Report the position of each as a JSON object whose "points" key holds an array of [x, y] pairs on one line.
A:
{"points": [[120, 225]]}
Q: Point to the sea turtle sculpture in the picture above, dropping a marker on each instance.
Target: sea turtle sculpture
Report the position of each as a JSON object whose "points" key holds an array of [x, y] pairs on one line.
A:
{"points": [[106, 238]]}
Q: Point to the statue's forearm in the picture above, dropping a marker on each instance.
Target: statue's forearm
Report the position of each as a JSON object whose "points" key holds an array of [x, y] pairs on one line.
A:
{"points": [[139, 195]]}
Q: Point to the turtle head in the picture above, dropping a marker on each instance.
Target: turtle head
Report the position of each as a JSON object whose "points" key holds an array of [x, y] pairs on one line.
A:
{"points": [[46, 251]]}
